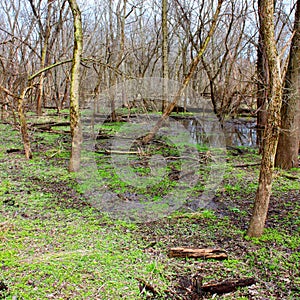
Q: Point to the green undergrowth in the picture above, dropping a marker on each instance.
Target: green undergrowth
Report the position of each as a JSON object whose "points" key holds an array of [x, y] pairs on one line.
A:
{"points": [[55, 245], [71, 255]]}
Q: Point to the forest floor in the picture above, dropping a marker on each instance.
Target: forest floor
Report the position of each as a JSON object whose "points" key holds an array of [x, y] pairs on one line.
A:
{"points": [[55, 244]]}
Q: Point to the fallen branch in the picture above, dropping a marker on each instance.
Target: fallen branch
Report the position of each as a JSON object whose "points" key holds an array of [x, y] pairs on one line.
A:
{"points": [[13, 150], [102, 136], [186, 157], [206, 253], [238, 150], [106, 151], [247, 165], [226, 286], [57, 131], [290, 176], [48, 125]]}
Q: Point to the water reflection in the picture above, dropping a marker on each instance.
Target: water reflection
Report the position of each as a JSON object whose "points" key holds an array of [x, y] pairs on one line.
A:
{"points": [[238, 132]]}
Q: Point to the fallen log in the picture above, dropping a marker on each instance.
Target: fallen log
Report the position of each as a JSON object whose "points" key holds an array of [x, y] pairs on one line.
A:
{"points": [[247, 165], [49, 125], [206, 253], [13, 150], [290, 176], [226, 286], [57, 131], [119, 152]]}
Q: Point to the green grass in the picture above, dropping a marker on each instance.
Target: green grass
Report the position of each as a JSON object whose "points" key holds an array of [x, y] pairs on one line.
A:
{"points": [[55, 251], [51, 251], [54, 245], [283, 184], [69, 256], [279, 238]]}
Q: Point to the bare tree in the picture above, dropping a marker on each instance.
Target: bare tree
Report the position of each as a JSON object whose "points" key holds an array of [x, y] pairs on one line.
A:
{"points": [[188, 77], [262, 83], [165, 50], [75, 123], [15, 62], [225, 70], [45, 37]]}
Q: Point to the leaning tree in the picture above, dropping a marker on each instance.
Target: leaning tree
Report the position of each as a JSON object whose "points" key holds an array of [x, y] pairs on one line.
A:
{"points": [[271, 133]]}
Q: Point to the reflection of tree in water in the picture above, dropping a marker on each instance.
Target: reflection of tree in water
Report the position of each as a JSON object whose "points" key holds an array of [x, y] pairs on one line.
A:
{"points": [[237, 132], [196, 130], [240, 133]]}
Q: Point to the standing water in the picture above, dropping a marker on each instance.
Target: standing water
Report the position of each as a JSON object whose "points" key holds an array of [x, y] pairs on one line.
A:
{"points": [[238, 132]]}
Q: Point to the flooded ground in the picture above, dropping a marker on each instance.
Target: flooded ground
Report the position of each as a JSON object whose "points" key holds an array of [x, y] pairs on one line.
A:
{"points": [[238, 132], [241, 132]]}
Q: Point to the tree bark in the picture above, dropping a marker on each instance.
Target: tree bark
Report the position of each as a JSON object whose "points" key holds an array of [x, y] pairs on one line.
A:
{"points": [[227, 286], [165, 62], [271, 133], [289, 138], [205, 253], [262, 84], [45, 42], [75, 123], [23, 124]]}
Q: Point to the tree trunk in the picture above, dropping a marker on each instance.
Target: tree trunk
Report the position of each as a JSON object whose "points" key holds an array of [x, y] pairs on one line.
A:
{"points": [[289, 138], [45, 42], [165, 63], [122, 54], [271, 133], [262, 84], [75, 124], [23, 124]]}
